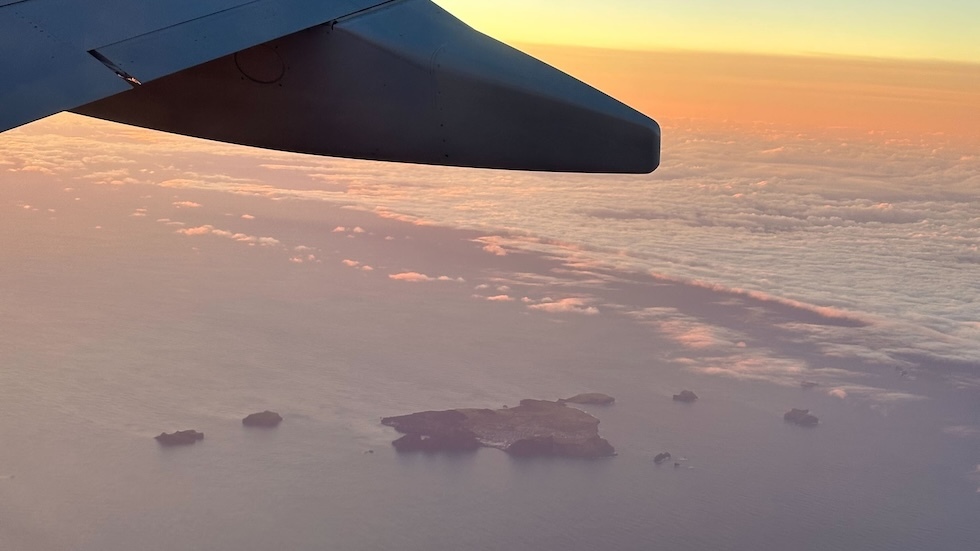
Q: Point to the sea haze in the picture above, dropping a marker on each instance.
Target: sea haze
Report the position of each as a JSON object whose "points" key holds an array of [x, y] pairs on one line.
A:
{"points": [[152, 283]]}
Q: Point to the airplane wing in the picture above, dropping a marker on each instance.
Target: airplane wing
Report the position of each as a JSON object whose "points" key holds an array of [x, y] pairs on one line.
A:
{"points": [[397, 80]]}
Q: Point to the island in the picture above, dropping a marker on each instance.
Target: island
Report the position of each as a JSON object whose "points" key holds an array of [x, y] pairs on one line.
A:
{"points": [[801, 417], [264, 419], [590, 398], [534, 428], [179, 438], [685, 396]]}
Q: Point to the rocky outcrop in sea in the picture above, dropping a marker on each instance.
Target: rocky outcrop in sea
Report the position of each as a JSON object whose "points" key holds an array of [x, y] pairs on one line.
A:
{"points": [[801, 417], [179, 438], [534, 428], [265, 419], [685, 396]]}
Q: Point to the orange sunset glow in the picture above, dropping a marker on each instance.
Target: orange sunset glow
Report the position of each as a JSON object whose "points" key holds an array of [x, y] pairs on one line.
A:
{"points": [[906, 68], [809, 93]]}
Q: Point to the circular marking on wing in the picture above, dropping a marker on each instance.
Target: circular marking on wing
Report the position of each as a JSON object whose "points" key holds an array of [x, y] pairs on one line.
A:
{"points": [[261, 64]]}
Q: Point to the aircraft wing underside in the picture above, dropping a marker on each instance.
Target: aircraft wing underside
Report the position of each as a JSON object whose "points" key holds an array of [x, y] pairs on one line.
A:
{"points": [[398, 80]]}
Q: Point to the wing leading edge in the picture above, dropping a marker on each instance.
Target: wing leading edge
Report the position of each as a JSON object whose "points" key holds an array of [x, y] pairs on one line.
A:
{"points": [[400, 81]]}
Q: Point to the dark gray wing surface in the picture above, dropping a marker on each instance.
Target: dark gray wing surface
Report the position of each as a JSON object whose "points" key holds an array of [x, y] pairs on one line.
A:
{"points": [[401, 80]]}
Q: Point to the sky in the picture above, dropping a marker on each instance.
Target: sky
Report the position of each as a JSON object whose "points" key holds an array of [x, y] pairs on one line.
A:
{"points": [[910, 69], [905, 29]]}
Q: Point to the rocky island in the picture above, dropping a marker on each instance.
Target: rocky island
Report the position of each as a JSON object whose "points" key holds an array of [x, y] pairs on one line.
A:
{"points": [[801, 417], [534, 428], [179, 438], [265, 419], [685, 396]]}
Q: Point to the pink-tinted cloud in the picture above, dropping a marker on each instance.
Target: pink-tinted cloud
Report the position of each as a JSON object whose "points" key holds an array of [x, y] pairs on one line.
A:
{"points": [[781, 371], [495, 249], [186, 204], [571, 305], [234, 236], [413, 277], [736, 209], [492, 245], [500, 298], [199, 230], [417, 277], [388, 214], [828, 312], [694, 335], [34, 168]]}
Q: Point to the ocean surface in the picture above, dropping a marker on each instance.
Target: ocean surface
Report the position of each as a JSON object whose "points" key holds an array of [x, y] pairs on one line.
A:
{"points": [[152, 283]]}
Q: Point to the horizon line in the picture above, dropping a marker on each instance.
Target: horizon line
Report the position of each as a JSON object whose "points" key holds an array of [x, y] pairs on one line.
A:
{"points": [[751, 53]]}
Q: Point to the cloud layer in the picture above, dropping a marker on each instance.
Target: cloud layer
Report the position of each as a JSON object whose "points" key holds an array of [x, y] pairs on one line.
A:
{"points": [[875, 238]]}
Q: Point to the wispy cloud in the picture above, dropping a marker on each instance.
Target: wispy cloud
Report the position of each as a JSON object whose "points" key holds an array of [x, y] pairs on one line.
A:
{"points": [[874, 237], [208, 229], [33, 168], [198, 230], [413, 277], [754, 367], [492, 245], [963, 431], [691, 334], [303, 259], [569, 305], [416, 277], [364, 267]]}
